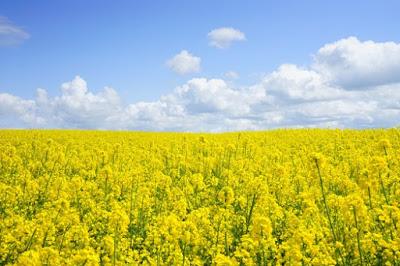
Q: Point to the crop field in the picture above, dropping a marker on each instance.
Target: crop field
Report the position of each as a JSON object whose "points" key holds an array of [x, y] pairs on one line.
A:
{"points": [[291, 197]]}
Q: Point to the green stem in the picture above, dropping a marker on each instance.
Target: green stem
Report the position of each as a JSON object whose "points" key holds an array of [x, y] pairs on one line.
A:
{"points": [[248, 218], [324, 201], [326, 207], [383, 189], [369, 198], [115, 244], [358, 236]]}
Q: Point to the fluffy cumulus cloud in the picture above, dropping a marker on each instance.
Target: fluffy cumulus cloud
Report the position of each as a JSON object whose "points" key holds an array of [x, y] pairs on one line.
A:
{"points": [[184, 63], [320, 95], [224, 37], [10, 34], [353, 64]]}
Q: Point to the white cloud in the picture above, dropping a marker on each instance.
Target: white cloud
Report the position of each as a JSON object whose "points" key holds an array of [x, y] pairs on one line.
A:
{"points": [[293, 83], [11, 34], [200, 95], [224, 37], [80, 108], [354, 64], [184, 63], [15, 111], [290, 96], [76, 107]]}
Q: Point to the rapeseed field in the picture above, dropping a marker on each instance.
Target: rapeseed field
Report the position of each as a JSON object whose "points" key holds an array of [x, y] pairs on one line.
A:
{"points": [[281, 197]]}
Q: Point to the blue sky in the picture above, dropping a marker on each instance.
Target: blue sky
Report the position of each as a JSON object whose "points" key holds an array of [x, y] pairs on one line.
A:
{"points": [[126, 45]]}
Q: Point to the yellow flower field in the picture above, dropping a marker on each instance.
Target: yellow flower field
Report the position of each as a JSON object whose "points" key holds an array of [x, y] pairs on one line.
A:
{"points": [[293, 197]]}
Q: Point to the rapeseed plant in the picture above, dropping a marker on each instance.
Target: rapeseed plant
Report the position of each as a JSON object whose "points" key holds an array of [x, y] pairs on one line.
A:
{"points": [[293, 197]]}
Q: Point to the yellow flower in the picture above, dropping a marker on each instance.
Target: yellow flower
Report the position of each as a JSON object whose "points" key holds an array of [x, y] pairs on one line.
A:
{"points": [[221, 260], [250, 198], [226, 195]]}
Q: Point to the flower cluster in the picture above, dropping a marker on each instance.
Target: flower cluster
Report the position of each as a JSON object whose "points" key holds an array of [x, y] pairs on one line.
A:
{"points": [[292, 197]]}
